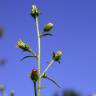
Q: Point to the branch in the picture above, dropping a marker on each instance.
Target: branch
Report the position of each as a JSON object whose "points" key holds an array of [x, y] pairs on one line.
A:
{"points": [[47, 68]]}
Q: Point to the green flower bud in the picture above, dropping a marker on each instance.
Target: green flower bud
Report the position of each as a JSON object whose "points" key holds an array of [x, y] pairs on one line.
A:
{"points": [[20, 44], [34, 75], [57, 56], [35, 12], [48, 27], [44, 75], [23, 46]]}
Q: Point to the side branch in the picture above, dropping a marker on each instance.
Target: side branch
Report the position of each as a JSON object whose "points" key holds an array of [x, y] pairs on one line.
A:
{"points": [[47, 68]]}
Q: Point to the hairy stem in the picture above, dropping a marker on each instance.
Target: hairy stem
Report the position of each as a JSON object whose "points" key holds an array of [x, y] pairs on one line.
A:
{"points": [[38, 56]]}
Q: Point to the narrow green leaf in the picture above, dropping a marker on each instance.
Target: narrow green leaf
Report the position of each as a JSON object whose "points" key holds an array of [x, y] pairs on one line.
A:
{"points": [[27, 57], [54, 82], [45, 34]]}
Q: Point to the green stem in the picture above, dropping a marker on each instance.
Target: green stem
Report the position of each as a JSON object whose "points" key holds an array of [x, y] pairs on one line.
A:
{"points": [[49, 65], [38, 36]]}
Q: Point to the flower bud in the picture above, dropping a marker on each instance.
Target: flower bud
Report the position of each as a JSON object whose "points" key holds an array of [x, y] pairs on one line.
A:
{"points": [[48, 27], [57, 56], [20, 44], [23, 46], [35, 12], [34, 75], [44, 75]]}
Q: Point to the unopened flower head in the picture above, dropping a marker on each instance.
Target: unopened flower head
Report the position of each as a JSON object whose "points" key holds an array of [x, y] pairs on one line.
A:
{"points": [[57, 56], [48, 27], [34, 71], [23, 46], [59, 53], [35, 12], [34, 75], [20, 44]]}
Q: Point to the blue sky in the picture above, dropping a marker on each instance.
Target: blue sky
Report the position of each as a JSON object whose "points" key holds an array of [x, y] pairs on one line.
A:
{"points": [[74, 33]]}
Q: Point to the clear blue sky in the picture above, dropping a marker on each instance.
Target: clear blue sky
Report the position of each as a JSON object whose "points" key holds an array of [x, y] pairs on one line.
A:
{"points": [[74, 33]]}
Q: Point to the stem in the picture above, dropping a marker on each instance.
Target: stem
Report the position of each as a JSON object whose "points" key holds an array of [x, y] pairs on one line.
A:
{"points": [[49, 65], [35, 89], [38, 36]]}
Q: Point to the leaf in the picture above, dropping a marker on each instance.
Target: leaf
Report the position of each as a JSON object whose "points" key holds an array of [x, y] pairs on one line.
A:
{"points": [[27, 57], [45, 34], [53, 81]]}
